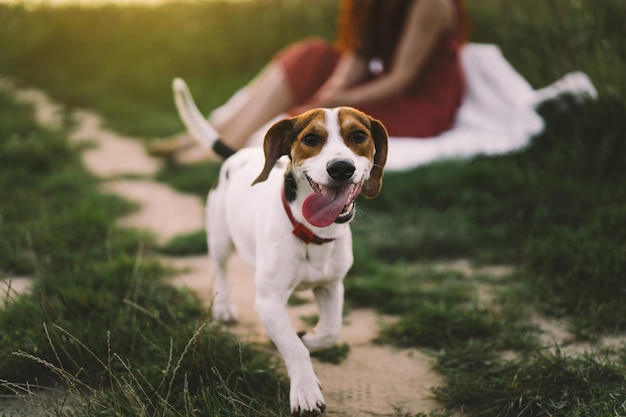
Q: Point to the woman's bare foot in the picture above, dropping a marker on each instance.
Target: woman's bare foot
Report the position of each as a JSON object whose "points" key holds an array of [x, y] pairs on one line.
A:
{"points": [[171, 145]]}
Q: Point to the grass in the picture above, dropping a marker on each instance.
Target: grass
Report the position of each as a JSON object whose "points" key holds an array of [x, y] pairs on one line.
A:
{"points": [[412, 285], [129, 55], [188, 244], [334, 354], [545, 39], [554, 211], [196, 178], [101, 314], [443, 308], [536, 385]]}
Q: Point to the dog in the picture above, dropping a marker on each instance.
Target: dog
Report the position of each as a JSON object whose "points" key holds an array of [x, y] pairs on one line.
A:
{"points": [[286, 210]]}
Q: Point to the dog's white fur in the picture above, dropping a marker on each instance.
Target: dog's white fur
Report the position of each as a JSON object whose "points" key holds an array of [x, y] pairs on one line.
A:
{"points": [[252, 220]]}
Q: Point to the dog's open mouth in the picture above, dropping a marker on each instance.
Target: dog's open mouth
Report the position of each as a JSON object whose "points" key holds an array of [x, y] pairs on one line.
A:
{"points": [[330, 204]]}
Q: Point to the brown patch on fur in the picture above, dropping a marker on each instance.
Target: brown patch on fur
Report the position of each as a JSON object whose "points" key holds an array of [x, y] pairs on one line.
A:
{"points": [[351, 121], [312, 122], [277, 143]]}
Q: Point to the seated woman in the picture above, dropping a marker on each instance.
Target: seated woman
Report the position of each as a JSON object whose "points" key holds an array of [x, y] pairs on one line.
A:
{"points": [[396, 60]]}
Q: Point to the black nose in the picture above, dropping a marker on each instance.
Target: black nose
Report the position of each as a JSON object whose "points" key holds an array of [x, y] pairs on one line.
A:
{"points": [[340, 169]]}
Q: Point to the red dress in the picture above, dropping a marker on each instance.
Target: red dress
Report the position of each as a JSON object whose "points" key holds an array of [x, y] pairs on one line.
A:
{"points": [[426, 108]]}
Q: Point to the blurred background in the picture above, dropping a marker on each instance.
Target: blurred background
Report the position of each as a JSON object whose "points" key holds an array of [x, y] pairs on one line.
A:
{"points": [[120, 60]]}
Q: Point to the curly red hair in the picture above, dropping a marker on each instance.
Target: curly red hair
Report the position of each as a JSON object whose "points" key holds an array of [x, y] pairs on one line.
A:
{"points": [[354, 19], [352, 23]]}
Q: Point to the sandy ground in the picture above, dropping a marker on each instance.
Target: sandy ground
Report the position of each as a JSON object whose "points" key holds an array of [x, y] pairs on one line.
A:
{"points": [[373, 380]]}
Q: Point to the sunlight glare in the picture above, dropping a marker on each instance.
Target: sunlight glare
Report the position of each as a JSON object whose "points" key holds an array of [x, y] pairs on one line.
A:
{"points": [[97, 2]]}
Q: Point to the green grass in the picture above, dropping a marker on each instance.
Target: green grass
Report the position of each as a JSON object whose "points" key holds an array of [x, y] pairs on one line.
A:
{"points": [[544, 39], [400, 288], [120, 61], [541, 384], [197, 178], [101, 314], [189, 244], [41, 175], [442, 308], [334, 354], [555, 212]]}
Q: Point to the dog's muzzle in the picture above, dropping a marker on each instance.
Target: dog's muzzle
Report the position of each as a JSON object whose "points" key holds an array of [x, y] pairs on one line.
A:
{"points": [[333, 202]]}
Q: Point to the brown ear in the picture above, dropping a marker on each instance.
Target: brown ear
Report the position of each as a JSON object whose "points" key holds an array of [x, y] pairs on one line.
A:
{"points": [[277, 143], [371, 188]]}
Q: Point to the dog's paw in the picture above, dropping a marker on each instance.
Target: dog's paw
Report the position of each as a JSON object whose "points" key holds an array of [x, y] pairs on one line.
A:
{"points": [[314, 340], [307, 401], [225, 313]]}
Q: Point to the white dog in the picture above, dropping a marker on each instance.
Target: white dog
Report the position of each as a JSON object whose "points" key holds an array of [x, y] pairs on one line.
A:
{"points": [[287, 213]]}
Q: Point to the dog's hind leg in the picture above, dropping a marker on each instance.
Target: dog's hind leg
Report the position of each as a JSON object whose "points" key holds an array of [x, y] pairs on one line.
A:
{"points": [[220, 248], [330, 303]]}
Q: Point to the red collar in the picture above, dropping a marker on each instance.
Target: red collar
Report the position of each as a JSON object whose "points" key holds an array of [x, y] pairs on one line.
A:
{"points": [[299, 230]]}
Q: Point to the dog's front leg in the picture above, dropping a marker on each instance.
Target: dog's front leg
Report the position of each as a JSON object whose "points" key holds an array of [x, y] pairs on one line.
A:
{"points": [[305, 395], [330, 303]]}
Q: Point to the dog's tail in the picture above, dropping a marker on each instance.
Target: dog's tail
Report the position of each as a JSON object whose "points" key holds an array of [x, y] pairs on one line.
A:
{"points": [[197, 125]]}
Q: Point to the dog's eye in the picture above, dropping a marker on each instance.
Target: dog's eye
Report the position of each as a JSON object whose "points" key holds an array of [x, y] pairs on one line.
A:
{"points": [[311, 140], [358, 136]]}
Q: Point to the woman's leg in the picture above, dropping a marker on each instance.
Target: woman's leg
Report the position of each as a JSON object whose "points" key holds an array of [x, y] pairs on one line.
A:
{"points": [[292, 78], [267, 96]]}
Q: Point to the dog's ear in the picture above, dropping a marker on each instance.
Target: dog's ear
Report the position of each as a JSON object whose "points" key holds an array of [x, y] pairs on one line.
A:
{"points": [[277, 143], [372, 186]]}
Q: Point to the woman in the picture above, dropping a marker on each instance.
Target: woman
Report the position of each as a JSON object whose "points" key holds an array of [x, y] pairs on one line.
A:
{"points": [[396, 60]]}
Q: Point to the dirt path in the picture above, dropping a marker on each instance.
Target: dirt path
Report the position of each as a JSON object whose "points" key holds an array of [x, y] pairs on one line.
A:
{"points": [[373, 380]]}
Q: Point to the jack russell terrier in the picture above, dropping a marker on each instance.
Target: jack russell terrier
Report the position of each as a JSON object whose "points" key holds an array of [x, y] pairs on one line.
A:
{"points": [[286, 210]]}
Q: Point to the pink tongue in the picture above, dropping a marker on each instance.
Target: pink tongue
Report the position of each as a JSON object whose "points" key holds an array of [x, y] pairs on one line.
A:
{"points": [[322, 210]]}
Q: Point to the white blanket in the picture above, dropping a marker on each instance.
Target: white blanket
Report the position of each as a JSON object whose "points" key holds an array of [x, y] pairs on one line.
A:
{"points": [[498, 114]]}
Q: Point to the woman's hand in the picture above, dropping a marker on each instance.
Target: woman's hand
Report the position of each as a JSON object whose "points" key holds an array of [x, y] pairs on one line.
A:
{"points": [[350, 70], [330, 96]]}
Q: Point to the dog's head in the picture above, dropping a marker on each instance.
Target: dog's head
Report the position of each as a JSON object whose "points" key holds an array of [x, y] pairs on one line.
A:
{"points": [[335, 153]]}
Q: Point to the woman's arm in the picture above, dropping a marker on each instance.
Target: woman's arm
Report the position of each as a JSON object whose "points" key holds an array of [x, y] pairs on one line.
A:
{"points": [[350, 70], [426, 21]]}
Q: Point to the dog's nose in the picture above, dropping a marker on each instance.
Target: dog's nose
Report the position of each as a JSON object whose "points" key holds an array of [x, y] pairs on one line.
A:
{"points": [[340, 169]]}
